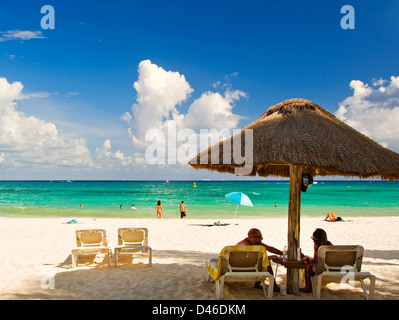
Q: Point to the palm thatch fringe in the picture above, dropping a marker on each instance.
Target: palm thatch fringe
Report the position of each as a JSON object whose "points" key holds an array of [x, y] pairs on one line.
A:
{"points": [[299, 132]]}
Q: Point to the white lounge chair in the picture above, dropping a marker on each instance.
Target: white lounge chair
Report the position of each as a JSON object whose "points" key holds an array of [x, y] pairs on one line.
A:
{"points": [[91, 241], [341, 263], [240, 264], [133, 241]]}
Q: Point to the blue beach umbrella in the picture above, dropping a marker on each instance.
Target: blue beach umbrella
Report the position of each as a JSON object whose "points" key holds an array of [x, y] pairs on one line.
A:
{"points": [[239, 198]]}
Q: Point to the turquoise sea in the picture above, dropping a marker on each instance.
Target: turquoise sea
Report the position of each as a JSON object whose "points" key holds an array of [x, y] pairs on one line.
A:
{"points": [[206, 200]]}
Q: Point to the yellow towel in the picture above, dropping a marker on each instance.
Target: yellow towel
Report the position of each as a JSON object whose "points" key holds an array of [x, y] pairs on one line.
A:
{"points": [[214, 268]]}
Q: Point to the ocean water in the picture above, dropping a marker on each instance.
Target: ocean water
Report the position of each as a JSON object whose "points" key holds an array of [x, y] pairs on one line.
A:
{"points": [[205, 201]]}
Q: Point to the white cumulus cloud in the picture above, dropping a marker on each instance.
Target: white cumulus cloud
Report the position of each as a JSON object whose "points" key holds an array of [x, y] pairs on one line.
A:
{"points": [[374, 110], [212, 110], [105, 157], [160, 93], [27, 140]]}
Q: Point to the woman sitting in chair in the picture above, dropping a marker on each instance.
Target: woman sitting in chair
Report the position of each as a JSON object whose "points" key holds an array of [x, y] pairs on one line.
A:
{"points": [[319, 238]]}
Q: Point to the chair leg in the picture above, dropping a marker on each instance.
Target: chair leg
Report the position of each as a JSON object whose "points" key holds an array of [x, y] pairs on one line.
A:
{"points": [[150, 257], [269, 292], [316, 286], [364, 289], [369, 295], [74, 260], [319, 282], [219, 288], [372, 287], [313, 281], [116, 257]]}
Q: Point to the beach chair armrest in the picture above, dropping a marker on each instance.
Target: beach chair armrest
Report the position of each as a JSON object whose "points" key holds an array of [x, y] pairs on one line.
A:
{"points": [[339, 275], [90, 249], [132, 246], [248, 276]]}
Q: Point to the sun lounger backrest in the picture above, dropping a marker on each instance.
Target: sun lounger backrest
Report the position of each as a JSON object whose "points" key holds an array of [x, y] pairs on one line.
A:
{"points": [[333, 258], [132, 236], [245, 261], [91, 238], [238, 258]]}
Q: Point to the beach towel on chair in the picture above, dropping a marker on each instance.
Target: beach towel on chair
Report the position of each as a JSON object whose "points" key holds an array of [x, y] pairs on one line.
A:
{"points": [[218, 267]]}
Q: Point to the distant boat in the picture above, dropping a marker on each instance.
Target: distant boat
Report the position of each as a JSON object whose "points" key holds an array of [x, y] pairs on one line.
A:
{"points": [[258, 194], [167, 181], [194, 185]]}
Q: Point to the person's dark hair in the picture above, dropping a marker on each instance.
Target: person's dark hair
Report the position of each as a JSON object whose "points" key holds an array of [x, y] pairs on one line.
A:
{"points": [[338, 219], [159, 202], [321, 235]]}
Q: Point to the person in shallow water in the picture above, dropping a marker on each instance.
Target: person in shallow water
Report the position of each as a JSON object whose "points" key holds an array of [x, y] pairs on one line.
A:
{"points": [[182, 210], [159, 210]]}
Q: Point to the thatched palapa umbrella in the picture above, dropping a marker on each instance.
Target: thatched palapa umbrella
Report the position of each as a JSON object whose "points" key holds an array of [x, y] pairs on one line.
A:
{"points": [[293, 138]]}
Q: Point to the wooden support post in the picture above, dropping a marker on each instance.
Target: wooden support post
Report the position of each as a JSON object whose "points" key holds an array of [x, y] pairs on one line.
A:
{"points": [[294, 208]]}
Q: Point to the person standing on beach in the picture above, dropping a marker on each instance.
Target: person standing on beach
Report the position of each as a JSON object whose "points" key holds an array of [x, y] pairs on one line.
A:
{"points": [[182, 210], [159, 210]]}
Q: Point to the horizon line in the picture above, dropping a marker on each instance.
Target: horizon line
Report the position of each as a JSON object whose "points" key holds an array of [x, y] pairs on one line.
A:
{"points": [[179, 180]]}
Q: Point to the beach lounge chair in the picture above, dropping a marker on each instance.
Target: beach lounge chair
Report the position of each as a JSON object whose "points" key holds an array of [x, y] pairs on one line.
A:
{"points": [[91, 241], [133, 241], [240, 264], [341, 263]]}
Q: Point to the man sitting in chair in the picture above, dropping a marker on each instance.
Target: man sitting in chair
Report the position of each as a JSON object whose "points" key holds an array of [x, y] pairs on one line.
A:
{"points": [[255, 239]]}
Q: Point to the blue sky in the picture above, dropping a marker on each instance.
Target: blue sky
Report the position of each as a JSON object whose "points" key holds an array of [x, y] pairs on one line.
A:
{"points": [[74, 119]]}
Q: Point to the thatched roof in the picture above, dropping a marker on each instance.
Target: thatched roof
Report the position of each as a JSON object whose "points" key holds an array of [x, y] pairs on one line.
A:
{"points": [[299, 132]]}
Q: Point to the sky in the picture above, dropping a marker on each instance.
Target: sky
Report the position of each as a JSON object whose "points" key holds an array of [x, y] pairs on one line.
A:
{"points": [[111, 90]]}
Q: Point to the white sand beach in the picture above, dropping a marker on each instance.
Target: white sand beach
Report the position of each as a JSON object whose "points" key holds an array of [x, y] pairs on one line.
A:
{"points": [[33, 249]]}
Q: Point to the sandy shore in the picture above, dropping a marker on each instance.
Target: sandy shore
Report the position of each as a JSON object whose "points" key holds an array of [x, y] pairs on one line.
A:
{"points": [[34, 249]]}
